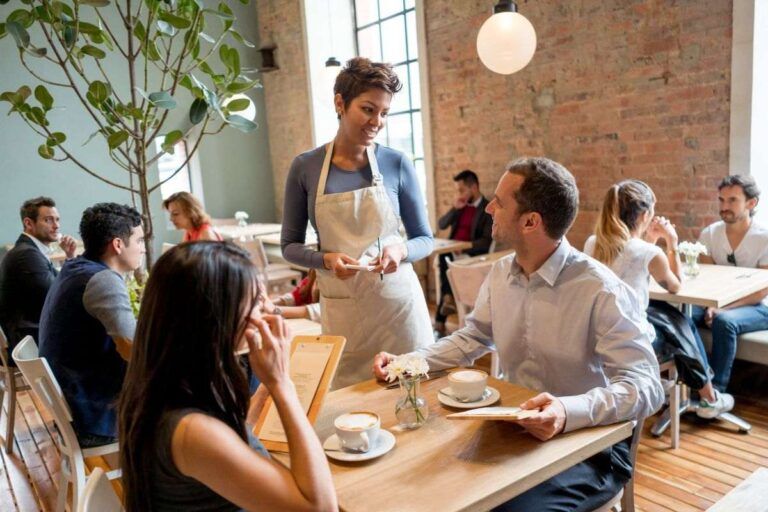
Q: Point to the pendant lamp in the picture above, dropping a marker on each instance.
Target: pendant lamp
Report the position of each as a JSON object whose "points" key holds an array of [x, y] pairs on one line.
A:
{"points": [[507, 40]]}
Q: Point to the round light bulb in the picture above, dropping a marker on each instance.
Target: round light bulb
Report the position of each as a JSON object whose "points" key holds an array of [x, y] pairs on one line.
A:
{"points": [[506, 42], [249, 113]]}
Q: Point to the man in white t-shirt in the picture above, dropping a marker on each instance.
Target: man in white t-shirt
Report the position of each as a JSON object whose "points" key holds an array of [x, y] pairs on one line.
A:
{"points": [[737, 240]]}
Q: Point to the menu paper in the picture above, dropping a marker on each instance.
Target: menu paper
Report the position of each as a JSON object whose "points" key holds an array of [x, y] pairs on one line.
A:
{"points": [[307, 365], [494, 413]]}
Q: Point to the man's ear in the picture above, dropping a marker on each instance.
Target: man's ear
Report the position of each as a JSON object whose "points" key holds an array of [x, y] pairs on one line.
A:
{"points": [[752, 203], [28, 224], [117, 245], [532, 221]]}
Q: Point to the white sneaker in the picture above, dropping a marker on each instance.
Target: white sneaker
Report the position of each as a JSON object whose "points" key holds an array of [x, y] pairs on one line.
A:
{"points": [[724, 403]]}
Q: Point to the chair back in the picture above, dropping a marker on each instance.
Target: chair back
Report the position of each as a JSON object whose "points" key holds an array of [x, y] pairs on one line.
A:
{"points": [[47, 390], [98, 495], [3, 350], [628, 498], [256, 249]]}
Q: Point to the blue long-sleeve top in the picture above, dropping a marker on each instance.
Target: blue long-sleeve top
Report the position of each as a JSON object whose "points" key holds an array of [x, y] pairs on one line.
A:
{"points": [[301, 191]]}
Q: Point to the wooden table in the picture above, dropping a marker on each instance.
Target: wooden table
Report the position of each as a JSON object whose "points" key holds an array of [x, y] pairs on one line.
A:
{"points": [[249, 231], [442, 246], [449, 465], [715, 286]]}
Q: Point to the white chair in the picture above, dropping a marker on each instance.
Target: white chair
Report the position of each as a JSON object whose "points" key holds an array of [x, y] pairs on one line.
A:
{"points": [[47, 390], [279, 275], [11, 382], [98, 495], [624, 500]]}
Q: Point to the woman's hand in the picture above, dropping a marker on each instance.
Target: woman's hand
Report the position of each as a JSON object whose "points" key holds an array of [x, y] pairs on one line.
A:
{"points": [[337, 262], [269, 355], [390, 258]]}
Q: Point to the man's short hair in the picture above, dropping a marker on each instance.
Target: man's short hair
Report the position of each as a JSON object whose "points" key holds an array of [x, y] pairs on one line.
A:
{"points": [[31, 207], [103, 222], [746, 182], [468, 176], [549, 190]]}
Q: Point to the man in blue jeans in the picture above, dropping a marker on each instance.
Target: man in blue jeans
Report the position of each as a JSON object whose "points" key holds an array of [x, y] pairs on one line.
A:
{"points": [[740, 241]]}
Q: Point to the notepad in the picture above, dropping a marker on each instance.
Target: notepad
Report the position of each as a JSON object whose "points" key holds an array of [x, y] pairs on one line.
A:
{"points": [[494, 413]]}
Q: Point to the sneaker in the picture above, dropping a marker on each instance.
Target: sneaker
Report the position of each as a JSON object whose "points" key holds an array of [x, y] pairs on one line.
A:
{"points": [[724, 403]]}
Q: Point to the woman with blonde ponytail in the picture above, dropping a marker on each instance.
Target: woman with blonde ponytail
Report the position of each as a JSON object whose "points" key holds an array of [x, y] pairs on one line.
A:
{"points": [[625, 240]]}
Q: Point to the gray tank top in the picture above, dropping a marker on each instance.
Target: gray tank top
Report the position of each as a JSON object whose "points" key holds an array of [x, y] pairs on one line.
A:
{"points": [[173, 491]]}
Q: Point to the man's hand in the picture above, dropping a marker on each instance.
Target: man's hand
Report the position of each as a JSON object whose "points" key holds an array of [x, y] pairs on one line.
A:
{"points": [[550, 420], [459, 202], [709, 316], [68, 245], [380, 362]]}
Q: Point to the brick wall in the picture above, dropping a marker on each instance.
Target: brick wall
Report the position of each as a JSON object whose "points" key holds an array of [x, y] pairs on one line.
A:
{"points": [[616, 89], [286, 90]]}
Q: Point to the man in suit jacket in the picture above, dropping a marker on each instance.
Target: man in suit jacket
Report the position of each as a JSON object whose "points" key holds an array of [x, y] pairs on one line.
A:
{"points": [[469, 222], [26, 271]]}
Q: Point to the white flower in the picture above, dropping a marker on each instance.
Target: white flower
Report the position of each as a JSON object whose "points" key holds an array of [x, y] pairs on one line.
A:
{"points": [[241, 215], [691, 248], [410, 365]]}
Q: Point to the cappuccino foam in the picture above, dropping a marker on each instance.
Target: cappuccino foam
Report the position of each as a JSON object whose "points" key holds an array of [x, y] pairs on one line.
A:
{"points": [[468, 376], [356, 421]]}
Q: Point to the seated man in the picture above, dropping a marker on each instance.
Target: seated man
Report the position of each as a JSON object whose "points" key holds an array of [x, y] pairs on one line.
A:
{"points": [[563, 324], [469, 222], [87, 324], [736, 240], [26, 272]]}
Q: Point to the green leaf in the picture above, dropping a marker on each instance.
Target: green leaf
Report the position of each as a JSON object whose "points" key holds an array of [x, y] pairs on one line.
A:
{"points": [[16, 98], [150, 50], [236, 87], [205, 68], [96, 53], [37, 52], [55, 139], [238, 104], [88, 28], [91, 136], [45, 151], [44, 97], [19, 33], [63, 10], [165, 28], [162, 100], [95, 3], [171, 139], [239, 38], [43, 14], [22, 17], [241, 123], [197, 111], [37, 116], [99, 90], [117, 138], [186, 82], [139, 31], [174, 21], [3, 31], [220, 14], [70, 36], [206, 37]]}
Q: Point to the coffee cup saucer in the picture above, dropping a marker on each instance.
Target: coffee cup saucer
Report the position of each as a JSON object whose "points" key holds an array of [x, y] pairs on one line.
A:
{"points": [[491, 396], [384, 443]]}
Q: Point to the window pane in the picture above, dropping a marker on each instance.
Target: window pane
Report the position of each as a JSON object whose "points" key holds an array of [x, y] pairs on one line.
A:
{"points": [[401, 102], [415, 85], [421, 174], [418, 136], [369, 43], [400, 133], [168, 163], [383, 137], [413, 41], [393, 32], [365, 11], [410, 4], [389, 7]]}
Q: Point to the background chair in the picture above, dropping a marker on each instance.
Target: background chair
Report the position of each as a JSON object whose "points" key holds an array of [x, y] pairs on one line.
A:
{"points": [[48, 392], [279, 276], [98, 495], [11, 382]]}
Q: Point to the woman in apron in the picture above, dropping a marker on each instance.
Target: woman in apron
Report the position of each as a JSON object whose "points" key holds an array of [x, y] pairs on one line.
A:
{"points": [[356, 193]]}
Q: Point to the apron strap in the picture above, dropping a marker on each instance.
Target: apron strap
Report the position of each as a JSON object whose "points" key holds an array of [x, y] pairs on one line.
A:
{"points": [[324, 171], [377, 179]]}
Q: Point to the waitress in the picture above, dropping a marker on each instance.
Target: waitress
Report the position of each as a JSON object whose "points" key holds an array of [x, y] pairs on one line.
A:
{"points": [[355, 193]]}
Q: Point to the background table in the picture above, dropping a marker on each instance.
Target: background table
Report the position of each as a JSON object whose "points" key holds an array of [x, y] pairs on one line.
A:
{"points": [[715, 286], [450, 465], [250, 231]]}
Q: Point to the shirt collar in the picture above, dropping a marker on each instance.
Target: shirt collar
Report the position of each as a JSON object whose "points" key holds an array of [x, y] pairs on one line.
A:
{"points": [[47, 251], [550, 269], [476, 202]]}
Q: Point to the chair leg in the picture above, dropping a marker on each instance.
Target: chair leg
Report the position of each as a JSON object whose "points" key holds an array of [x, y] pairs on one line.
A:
{"points": [[628, 498], [61, 497], [674, 411], [11, 391]]}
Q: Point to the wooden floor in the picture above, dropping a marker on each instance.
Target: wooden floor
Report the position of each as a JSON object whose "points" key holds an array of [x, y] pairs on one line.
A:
{"points": [[712, 459]]}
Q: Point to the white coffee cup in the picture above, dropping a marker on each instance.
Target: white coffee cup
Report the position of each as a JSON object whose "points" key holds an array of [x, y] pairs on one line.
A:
{"points": [[358, 430], [468, 385]]}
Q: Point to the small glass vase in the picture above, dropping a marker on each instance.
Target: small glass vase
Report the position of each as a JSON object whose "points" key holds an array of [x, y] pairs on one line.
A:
{"points": [[242, 223], [411, 409], [691, 266]]}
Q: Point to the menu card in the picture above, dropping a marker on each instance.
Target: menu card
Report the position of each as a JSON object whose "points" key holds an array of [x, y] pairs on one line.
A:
{"points": [[494, 413]]}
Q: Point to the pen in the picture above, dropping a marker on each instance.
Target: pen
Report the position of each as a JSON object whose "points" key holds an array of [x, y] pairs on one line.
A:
{"points": [[378, 244]]}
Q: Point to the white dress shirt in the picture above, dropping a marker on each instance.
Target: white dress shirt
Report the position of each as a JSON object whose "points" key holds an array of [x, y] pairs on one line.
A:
{"points": [[573, 329], [46, 250]]}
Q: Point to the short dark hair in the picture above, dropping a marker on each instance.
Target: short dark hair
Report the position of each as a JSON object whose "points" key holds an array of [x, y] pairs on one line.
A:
{"points": [[747, 184], [360, 74], [103, 222], [549, 190], [468, 177], [31, 207]]}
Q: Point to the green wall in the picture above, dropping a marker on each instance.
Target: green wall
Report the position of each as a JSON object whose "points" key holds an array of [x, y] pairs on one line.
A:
{"points": [[235, 166]]}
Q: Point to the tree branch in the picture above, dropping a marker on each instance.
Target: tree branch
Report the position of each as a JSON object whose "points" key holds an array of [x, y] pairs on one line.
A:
{"points": [[186, 160], [49, 82], [109, 31]]}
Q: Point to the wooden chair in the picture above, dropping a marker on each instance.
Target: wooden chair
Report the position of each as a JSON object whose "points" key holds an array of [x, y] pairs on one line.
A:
{"points": [[48, 392], [278, 275], [11, 382], [626, 496], [98, 495]]}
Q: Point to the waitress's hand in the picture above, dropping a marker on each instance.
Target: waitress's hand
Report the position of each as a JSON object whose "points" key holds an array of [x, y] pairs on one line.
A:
{"points": [[390, 258], [337, 262]]}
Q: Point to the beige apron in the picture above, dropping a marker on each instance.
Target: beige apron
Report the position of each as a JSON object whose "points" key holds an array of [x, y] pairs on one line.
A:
{"points": [[373, 314]]}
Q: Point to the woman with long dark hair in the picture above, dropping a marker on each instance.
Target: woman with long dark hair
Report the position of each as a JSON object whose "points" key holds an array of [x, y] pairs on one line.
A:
{"points": [[182, 413], [625, 240]]}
